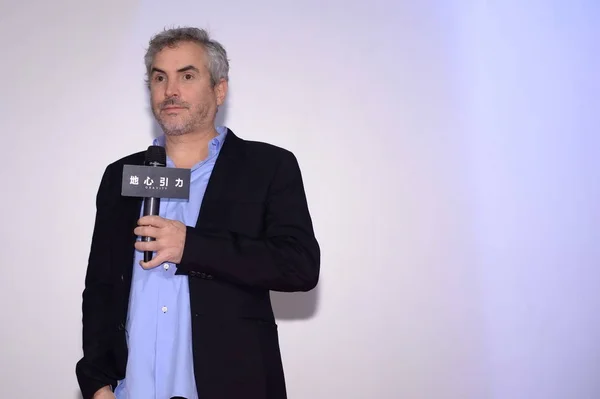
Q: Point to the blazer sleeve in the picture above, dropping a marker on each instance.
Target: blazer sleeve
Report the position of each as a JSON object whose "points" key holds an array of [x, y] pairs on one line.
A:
{"points": [[95, 369], [285, 258]]}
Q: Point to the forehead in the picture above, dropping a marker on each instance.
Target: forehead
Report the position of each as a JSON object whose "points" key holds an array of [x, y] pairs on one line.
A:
{"points": [[180, 55]]}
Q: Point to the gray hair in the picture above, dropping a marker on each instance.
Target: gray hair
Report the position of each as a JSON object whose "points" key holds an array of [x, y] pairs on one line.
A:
{"points": [[218, 64]]}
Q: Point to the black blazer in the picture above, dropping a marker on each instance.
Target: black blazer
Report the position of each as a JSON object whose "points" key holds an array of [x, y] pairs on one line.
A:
{"points": [[254, 234]]}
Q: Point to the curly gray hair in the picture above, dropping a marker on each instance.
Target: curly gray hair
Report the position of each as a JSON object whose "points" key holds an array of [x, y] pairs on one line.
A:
{"points": [[218, 64]]}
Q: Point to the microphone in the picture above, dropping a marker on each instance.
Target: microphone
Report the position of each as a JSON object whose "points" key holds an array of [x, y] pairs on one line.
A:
{"points": [[178, 397], [155, 156]]}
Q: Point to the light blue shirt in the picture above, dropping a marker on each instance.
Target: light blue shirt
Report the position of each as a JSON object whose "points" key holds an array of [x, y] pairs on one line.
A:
{"points": [[160, 363]]}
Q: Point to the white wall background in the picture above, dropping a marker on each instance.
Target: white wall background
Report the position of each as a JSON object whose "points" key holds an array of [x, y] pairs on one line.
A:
{"points": [[450, 157]]}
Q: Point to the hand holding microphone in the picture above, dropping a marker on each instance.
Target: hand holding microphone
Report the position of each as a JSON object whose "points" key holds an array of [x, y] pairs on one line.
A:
{"points": [[156, 156], [163, 236], [167, 240]]}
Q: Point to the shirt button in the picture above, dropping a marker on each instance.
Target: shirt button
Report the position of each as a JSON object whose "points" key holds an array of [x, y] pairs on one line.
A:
{"points": [[164, 309], [166, 266]]}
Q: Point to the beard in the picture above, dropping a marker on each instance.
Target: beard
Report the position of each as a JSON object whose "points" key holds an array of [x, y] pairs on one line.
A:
{"points": [[176, 125], [186, 120]]}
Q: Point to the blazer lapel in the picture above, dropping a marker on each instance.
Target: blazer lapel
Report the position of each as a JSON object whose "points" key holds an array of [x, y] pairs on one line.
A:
{"points": [[223, 176]]}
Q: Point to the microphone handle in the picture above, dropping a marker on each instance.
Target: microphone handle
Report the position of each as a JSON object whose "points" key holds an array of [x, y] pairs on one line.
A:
{"points": [[151, 206]]}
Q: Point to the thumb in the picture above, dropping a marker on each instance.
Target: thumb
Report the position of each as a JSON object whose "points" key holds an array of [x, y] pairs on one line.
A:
{"points": [[158, 259]]}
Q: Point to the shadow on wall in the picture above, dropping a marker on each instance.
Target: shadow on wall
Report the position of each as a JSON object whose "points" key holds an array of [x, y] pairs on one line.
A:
{"points": [[295, 305]]}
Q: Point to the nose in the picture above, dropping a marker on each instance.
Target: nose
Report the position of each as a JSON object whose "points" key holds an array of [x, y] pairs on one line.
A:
{"points": [[172, 88]]}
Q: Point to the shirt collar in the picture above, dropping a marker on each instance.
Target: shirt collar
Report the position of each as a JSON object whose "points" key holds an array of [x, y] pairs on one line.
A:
{"points": [[213, 147]]}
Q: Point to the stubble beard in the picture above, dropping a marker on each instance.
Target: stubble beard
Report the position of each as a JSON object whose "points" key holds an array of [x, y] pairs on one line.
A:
{"points": [[182, 124], [176, 127]]}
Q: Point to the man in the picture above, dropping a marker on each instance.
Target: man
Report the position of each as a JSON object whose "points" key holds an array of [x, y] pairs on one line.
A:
{"points": [[196, 321]]}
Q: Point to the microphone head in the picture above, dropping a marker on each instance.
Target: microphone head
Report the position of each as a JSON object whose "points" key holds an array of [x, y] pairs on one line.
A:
{"points": [[156, 156]]}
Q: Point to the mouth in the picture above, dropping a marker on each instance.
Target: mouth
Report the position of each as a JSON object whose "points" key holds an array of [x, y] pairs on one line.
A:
{"points": [[172, 108]]}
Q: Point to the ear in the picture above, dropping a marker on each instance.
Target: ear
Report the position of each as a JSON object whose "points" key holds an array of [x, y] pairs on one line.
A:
{"points": [[221, 91]]}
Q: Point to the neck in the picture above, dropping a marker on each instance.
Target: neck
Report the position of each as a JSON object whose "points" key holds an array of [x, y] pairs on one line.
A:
{"points": [[188, 149]]}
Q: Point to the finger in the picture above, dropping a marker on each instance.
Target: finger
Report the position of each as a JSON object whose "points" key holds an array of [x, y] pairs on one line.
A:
{"points": [[152, 220], [147, 246], [147, 231], [158, 259]]}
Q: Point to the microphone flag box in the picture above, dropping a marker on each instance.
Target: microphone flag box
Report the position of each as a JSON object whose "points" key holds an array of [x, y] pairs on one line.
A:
{"points": [[157, 182]]}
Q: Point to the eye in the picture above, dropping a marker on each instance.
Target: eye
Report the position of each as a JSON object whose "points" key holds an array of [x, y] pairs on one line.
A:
{"points": [[188, 76], [159, 78]]}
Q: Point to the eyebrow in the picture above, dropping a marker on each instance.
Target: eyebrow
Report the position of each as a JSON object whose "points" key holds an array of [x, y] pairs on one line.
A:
{"points": [[184, 69]]}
